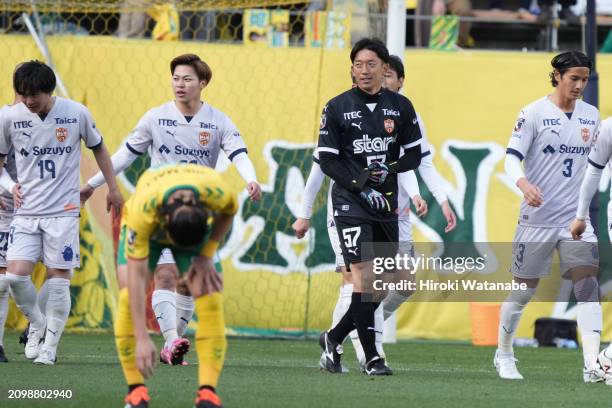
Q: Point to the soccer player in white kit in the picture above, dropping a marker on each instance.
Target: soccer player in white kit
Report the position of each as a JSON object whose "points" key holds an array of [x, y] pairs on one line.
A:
{"points": [[7, 184], [185, 130], [553, 136], [599, 158], [408, 190], [45, 133]]}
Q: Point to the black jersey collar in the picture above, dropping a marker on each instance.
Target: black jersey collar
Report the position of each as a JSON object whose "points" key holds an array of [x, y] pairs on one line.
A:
{"points": [[366, 96]]}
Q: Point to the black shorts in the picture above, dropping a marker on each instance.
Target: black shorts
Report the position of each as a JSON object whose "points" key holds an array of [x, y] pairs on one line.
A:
{"points": [[363, 240]]}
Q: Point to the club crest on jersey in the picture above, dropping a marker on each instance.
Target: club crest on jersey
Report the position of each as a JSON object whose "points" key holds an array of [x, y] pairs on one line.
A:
{"points": [[61, 134], [586, 134], [204, 138], [323, 121], [389, 125], [519, 125]]}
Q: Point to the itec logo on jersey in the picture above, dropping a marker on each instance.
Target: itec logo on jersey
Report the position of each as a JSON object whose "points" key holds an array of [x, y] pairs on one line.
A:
{"points": [[61, 134]]}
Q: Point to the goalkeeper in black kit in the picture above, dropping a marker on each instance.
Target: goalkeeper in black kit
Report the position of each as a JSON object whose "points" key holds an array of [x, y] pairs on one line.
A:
{"points": [[367, 136]]}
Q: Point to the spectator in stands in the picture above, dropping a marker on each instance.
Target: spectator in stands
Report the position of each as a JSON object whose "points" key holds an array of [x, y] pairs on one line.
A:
{"points": [[461, 8], [133, 20]]}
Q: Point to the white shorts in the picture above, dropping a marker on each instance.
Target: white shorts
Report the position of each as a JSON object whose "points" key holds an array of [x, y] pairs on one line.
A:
{"points": [[533, 249], [332, 231], [55, 240], [5, 226]]}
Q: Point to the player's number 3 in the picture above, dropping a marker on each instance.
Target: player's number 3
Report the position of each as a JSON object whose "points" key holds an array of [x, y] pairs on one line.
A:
{"points": [[568, 167]]}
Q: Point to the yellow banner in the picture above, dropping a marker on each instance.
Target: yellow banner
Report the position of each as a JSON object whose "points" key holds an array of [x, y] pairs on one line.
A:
{"points": [[275, 283]]}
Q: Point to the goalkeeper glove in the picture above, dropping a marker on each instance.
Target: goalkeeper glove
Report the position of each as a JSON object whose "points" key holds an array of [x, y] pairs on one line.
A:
{"points": [[378, 172], [376, 200]]}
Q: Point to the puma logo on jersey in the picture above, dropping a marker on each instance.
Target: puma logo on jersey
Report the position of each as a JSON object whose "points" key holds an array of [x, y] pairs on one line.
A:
{"points": [[368, 145], [26, 134], [60, 150], [357, 125], [171, 133], [555, 132]]}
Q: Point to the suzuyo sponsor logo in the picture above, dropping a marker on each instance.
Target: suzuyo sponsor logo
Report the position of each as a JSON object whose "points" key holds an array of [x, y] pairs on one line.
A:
{"points": [[204, 138], [586, 134], [61, 134], [369, 145], [389, 125], [184, 151], [581, 150], [586, 121], [59, 150]]}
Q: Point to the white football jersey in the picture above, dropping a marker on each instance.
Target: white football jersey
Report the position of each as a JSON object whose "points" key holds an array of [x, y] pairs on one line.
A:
{"points": [[9, 166], [555, 151], [171, 139], [403, 200], [602, 150], [48, 155]]}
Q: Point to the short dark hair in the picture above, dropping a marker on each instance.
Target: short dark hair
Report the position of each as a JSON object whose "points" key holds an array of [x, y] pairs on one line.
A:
{"points": [[396, 64], [188, 225], [567, 60], [33, 77], [201, 68], [372, 44]]}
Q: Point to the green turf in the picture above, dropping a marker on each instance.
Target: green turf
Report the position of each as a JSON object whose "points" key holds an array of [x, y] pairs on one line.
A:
{"points": [[284, 373]]}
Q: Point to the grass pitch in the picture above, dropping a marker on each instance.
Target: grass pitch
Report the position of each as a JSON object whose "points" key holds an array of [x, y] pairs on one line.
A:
{"points": [[283, 373]]}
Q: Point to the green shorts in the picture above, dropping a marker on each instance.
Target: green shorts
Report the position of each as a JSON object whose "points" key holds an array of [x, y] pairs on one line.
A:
{"points": [[182, 256]]}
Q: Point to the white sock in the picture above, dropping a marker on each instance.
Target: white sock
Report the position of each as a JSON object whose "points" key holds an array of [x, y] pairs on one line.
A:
{"points": [[379, 323], [57, 311], [589, 324], [164, 306], [589, 317], [392, 302], [184, 312], [24, 293], [343, 303], [43, 296], [509, 317], [4, 295]]}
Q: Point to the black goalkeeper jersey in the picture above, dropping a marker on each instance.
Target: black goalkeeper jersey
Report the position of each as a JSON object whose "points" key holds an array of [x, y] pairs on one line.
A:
{"points": [[361, 128]]}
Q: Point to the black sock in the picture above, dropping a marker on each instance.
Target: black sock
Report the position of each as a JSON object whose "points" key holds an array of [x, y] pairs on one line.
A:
{"points": [[346, 325], [132, 387], [207, 387], [363, 316]]}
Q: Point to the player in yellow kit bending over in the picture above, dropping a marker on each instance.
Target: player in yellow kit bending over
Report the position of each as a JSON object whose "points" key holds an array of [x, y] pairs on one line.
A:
{"points": [[170, 209]]}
